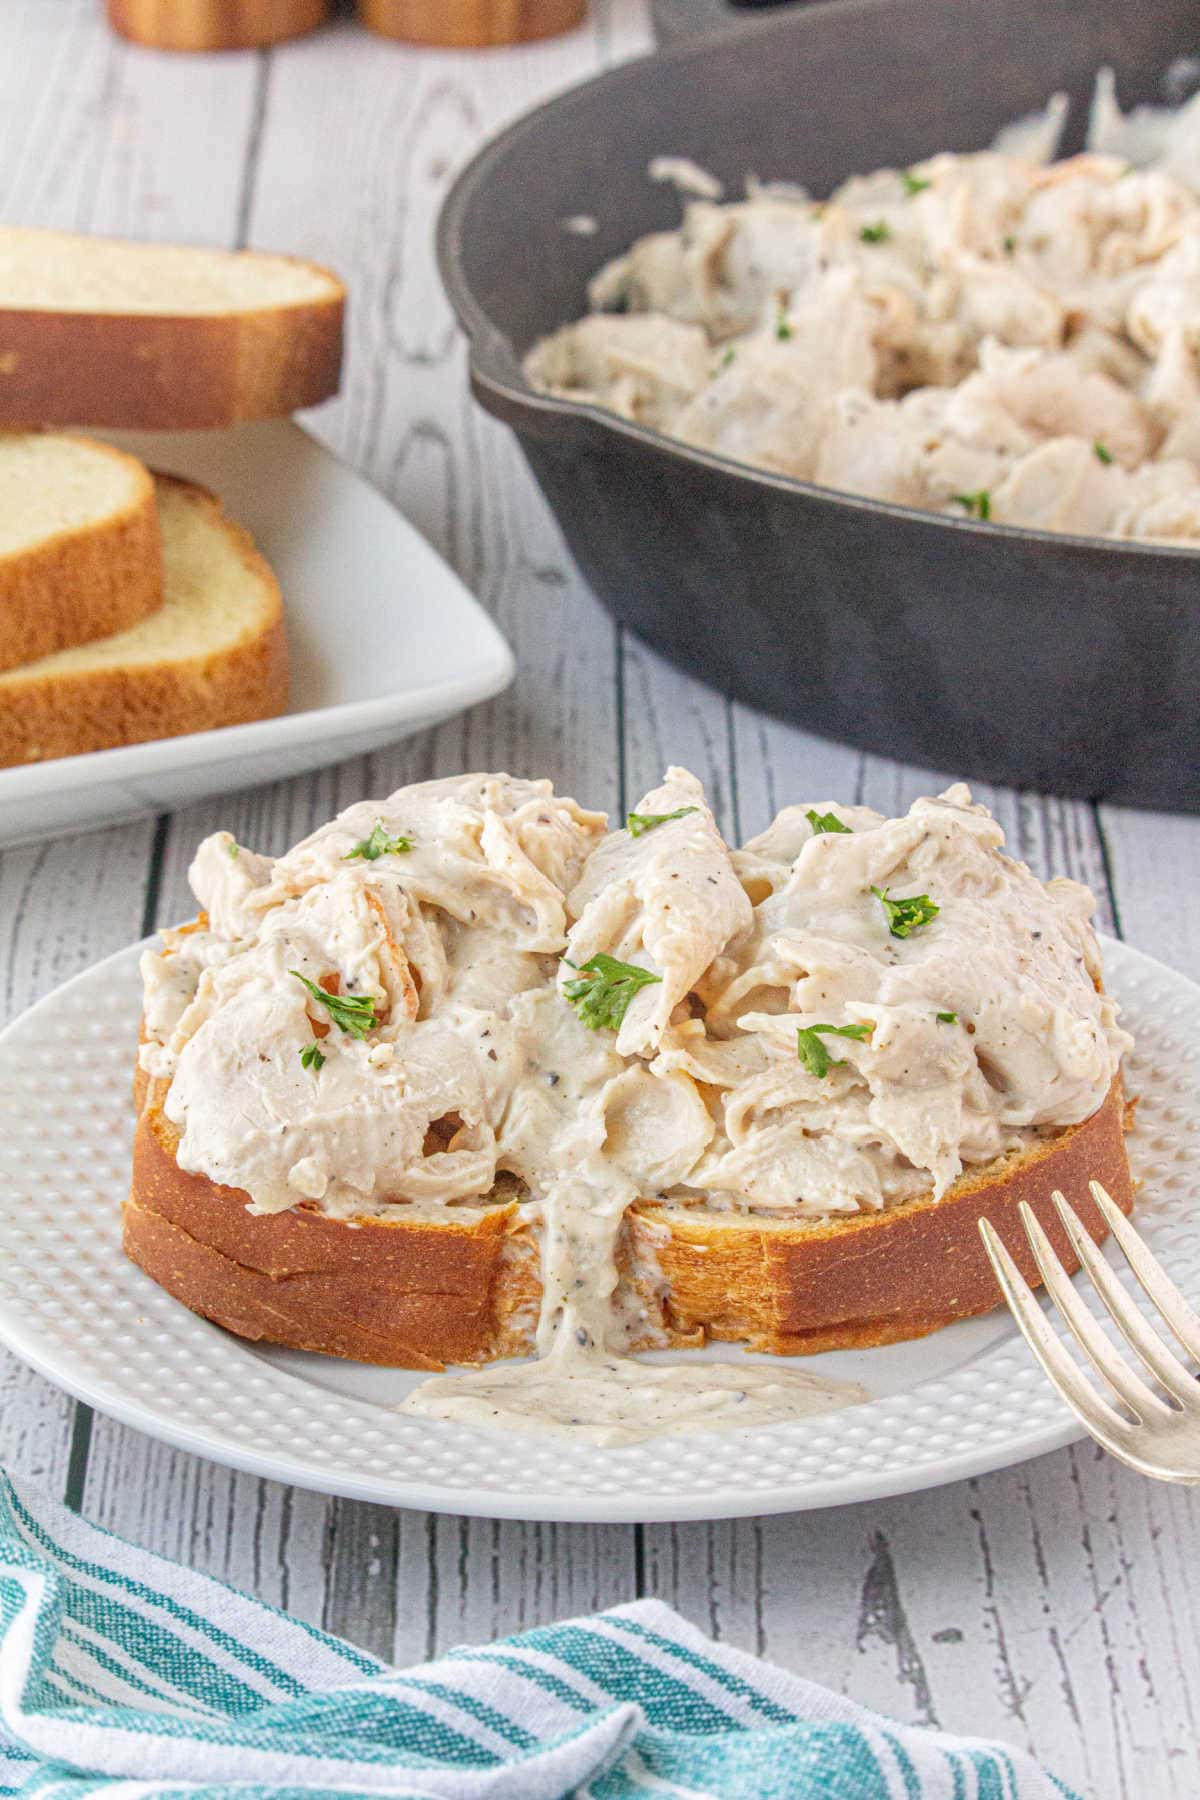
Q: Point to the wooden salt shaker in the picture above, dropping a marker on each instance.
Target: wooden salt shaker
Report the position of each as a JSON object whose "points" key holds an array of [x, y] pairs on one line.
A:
{"points": [[214, 24], [471, 24]]}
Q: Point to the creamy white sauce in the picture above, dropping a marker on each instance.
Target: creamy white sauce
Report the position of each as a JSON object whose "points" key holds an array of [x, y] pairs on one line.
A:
{"points": [[988, 335], [968, 1036], [600, 1398], [582, 1387]]}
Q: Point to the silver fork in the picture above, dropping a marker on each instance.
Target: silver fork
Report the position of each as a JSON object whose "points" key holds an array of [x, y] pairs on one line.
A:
{"points": [[1161, 1436]]}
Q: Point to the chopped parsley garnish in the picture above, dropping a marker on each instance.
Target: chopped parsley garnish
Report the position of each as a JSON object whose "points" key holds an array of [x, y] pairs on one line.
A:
{"points": [[905, 916], [824, 821], [815, 1056], [947, 1018], [1010, 244], [1103, 453], [638, 824], [352, 1013], [914, 184], [979, 505], [603, 989], [312, 1056], [783, 327], [235, 850], [728, 357], [879, 233], [370, 849]]}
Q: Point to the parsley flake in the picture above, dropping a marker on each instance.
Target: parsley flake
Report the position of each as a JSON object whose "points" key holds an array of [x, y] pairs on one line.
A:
{"points": [[370, 849], [978, 505], [878, 233], [783, 327], [638, 824], [1010, 244], [1103, 453], [822, 822], [603, 989], [947, 1018], [234, 850], [905, 916], [352, 1013], [312, 1056], [728, 357], [815, 1056], [914, 184]]}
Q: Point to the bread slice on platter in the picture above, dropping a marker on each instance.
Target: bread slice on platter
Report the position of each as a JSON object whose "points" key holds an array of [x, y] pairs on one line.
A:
{"points": [[214, 653], [158, 337], [465, 1288], [79, 543]]}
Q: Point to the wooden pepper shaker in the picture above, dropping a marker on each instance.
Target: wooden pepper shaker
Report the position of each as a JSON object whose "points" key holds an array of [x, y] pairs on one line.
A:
{"points": [[471, 24], [214, 24]]}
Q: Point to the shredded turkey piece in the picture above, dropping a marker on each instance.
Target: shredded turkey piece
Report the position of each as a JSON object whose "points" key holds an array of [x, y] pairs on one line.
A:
{"points": [[990, 335], [952, 1045]]}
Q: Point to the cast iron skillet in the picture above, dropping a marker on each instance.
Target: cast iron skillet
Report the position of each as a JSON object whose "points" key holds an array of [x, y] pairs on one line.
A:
{"points": [[1067, 664]]}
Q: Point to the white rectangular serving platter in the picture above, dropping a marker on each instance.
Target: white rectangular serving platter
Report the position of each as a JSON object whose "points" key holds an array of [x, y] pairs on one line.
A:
{"points": [[385, 639]]}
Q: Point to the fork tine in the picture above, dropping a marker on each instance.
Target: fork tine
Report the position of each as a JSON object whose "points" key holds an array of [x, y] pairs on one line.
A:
{"points": [[1141, 1337], [1089, 1408], [1141, 1400], [1151, 1274]]}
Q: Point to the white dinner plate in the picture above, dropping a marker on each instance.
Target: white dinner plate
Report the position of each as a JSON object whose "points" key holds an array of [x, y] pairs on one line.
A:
{"points": [[960, 1402], [384, 637]]}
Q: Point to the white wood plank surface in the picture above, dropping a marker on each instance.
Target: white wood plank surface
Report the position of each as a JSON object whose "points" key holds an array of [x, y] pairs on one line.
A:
{"points": [[88, 134], [1052, 1604]]}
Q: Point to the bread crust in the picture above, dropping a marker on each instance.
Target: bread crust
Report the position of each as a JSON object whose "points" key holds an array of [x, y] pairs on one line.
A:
{"points": [[84, 582], [464, 1287], [214, 24], [876, 1278], [169, 372], [80, 710]]}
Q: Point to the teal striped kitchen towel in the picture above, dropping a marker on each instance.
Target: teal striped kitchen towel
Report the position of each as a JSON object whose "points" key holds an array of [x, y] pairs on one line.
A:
{"points": [[126, 1676]]}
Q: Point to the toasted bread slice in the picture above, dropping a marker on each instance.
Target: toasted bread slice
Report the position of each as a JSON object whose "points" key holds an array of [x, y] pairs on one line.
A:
{"points": [[79, 543], [464, 1285], [213, 654], [159, 337]]}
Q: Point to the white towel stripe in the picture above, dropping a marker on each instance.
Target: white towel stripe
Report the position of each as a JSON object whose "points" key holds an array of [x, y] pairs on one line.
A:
{"points": [[76, 1664], [528, 1703], [737, 1709], [305, 1658], [567, 1673], [196, 1639], [633, 1766]]}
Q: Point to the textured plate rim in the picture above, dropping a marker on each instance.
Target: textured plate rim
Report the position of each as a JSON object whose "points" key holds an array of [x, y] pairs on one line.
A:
{"points": [[793, 1495]]}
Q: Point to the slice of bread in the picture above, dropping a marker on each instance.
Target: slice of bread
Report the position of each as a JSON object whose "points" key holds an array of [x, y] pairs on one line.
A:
{"points": [[79, 543], [160, 337], [464, 1285], [213, 654]]}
